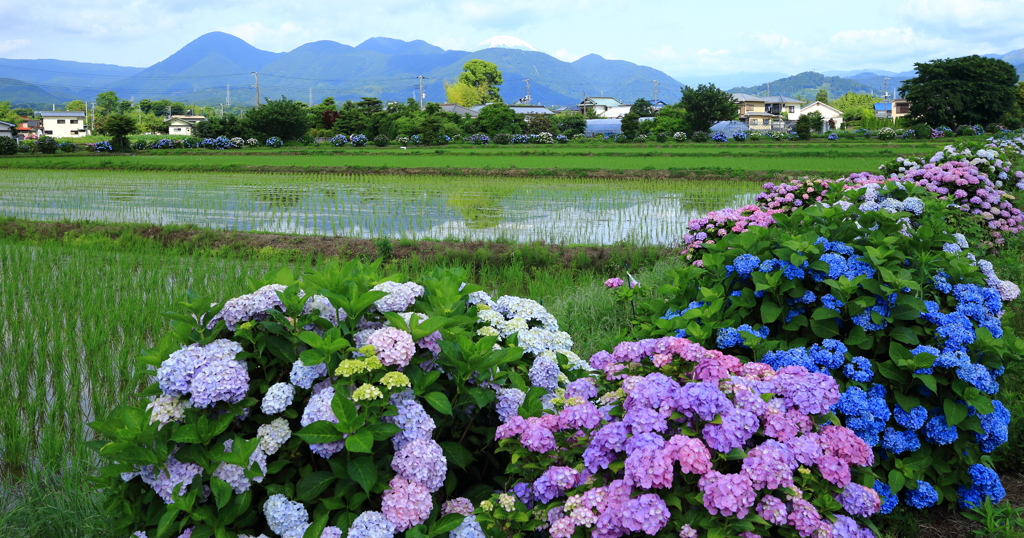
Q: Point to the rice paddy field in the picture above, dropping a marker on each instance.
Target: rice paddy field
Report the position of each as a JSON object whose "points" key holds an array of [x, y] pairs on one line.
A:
{"points": [[831, 159], [572, 211]]}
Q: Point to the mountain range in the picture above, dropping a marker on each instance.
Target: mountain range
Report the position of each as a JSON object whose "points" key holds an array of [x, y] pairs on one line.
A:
{"points": [[206, 69], [219, 68]]}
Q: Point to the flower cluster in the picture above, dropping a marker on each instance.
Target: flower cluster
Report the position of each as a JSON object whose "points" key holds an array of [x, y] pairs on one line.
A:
{"points": [[358, 140], [339, 140], [274, 142], [719, 137], [673, 414]]}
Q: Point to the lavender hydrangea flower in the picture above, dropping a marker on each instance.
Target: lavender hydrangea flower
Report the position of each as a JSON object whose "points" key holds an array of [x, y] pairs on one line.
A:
{"points": [[164, 481], [647, 513], [220, 381], [288, 519], [421, 460], [278, 398], [249, 307], [303, 376], [166, 408], [399, 296], [727, 494], [233, 474], [319, 408], [554, 482], [544, 373], [458, 505], [371, 524], [859, 501], [509, 401], [411, 417]]}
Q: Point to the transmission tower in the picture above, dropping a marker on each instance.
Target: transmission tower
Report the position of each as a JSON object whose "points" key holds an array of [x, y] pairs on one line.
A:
{"points": [[527, 99], [656, 84], [257, 75], [423, 95]]}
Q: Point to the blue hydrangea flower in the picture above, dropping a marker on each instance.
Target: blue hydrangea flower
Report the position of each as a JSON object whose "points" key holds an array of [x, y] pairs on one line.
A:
{"points": [[859, 369], [889, 499], [984, 483], [922, 497], [937, 432], [911, 420]]}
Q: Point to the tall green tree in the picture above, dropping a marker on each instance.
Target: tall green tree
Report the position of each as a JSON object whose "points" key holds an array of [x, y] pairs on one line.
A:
{"points": [[671, 119], [499, 118], [822, 95], [631, 124], [75, 106], [284, 118], [119, 126], [643, 108], [8, 115], [961, 91], [570, 123], [707, 105], [852, 105], [485, 77]]}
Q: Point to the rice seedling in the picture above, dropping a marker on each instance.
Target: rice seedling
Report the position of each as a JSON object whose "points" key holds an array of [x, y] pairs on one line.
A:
{"points": [[642, 211]]}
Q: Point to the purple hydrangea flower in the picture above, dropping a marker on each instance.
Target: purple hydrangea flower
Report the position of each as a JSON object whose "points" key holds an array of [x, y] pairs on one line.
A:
{"points": [[727, 494], [554, 482], [319, 408], [411, 417], [859, 501], [371, 525], [406, 504], [509, 401], [288, 519], [278, 398], [647, 513], [423, 461]]}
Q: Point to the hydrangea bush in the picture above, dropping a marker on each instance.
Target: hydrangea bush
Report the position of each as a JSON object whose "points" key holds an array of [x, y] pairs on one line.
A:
{"points": [[342, 402], [274, 142], [358, 140], [756, 449], [867, 286], [339, 140]]}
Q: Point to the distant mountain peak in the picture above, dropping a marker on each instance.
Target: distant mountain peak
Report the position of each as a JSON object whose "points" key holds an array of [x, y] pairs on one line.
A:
{"points": [[506, 42], [390, 45]]}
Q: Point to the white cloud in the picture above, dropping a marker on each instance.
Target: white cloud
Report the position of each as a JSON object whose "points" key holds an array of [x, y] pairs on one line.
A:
{"points": [[13, 44], [666, 52], [566, 56]]}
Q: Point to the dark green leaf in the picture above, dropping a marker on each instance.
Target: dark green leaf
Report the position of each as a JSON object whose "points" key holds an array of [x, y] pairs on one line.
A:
{"points": [[447, 523], [905, 335], [320, 431], [221, 491], [896, 480], [360, 441], [317, 527], [825, 328], [439, 401], [457, 454], [363, 471], [312, 485], [770, 312], [955, 412]]}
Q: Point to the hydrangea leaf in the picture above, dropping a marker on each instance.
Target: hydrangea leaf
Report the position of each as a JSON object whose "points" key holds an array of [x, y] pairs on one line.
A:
{"points": [[360, 441], [439, 401], [955, 412], [447, 523], [221, 492], [457, 454], [317, 527], [896, 480], [363, 471], [320, 431], [770, 312], [313, 484]]}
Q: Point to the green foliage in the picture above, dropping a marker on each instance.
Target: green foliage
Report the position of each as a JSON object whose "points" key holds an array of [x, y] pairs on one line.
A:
{"points": [[8, 145], [807, 84], [8, 115], [283, 118], [959, 91], [822, 95], [643, 108], [47, 145], [499, 118], [671, 119], [570, 123], [707, 105], [79, 106], [1004, 521], [485, 77], [631, 125], [119, 126], [853, 105], [805, 126]]}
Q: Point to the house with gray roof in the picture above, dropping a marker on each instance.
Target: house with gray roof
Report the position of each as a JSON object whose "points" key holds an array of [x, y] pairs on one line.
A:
{"points": [[7, 129], [460, 110], [602, 106], [765, 112]]}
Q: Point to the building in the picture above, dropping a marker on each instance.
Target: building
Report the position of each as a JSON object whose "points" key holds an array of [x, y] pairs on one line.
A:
{"points": [[766, 113], [602, 105], [891, 110], [531, 109], [7, 130], [67, 124], [832, 117], [29, 127], [459, 109], [183, 125]]}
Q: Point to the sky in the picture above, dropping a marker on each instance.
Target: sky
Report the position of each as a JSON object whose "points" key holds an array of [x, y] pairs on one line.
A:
{"points": [[680, 37]]}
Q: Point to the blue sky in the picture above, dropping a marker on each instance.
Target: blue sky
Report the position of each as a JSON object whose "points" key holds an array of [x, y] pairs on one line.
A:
{"points": [[682, 38]]}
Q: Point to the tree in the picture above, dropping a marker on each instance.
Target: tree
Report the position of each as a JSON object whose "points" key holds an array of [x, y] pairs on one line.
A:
{"points": [[110, 103], [324, 115], [485, 77], [804, 126], [75, 106], [822, 95], [8, 115], [643, 108], [671, 119], [463, 94], [852, 104], [631, 124], [707, 105], [283, 118], [961, 91], [369, 106], [570, 123], [151, 123], [499, 118], [538, 123], [119, 126], [146, 106]]}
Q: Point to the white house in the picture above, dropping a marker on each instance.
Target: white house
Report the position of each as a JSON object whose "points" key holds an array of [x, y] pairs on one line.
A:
{"points": [[605, 107], [7, 129], [831, 116], [182, 125], [64, 124]]}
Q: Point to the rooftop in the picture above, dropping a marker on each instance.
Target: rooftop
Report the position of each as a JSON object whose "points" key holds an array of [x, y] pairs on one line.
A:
{"points": [[63, 114]]}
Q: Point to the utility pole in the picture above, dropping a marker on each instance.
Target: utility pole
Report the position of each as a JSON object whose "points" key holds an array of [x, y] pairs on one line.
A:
{"points": [[422, 95], [528, 99], [656, 84], [257, 75], [229, 95]]}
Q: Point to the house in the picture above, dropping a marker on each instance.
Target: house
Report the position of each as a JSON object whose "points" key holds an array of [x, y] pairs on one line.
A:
{"points": [[182, 125], [602, 105], [7, 130], [765, 113], [831, 116], [883, 110], [66, 124], [29, 127], [900, 108], [531, 109], [460, 110]]}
